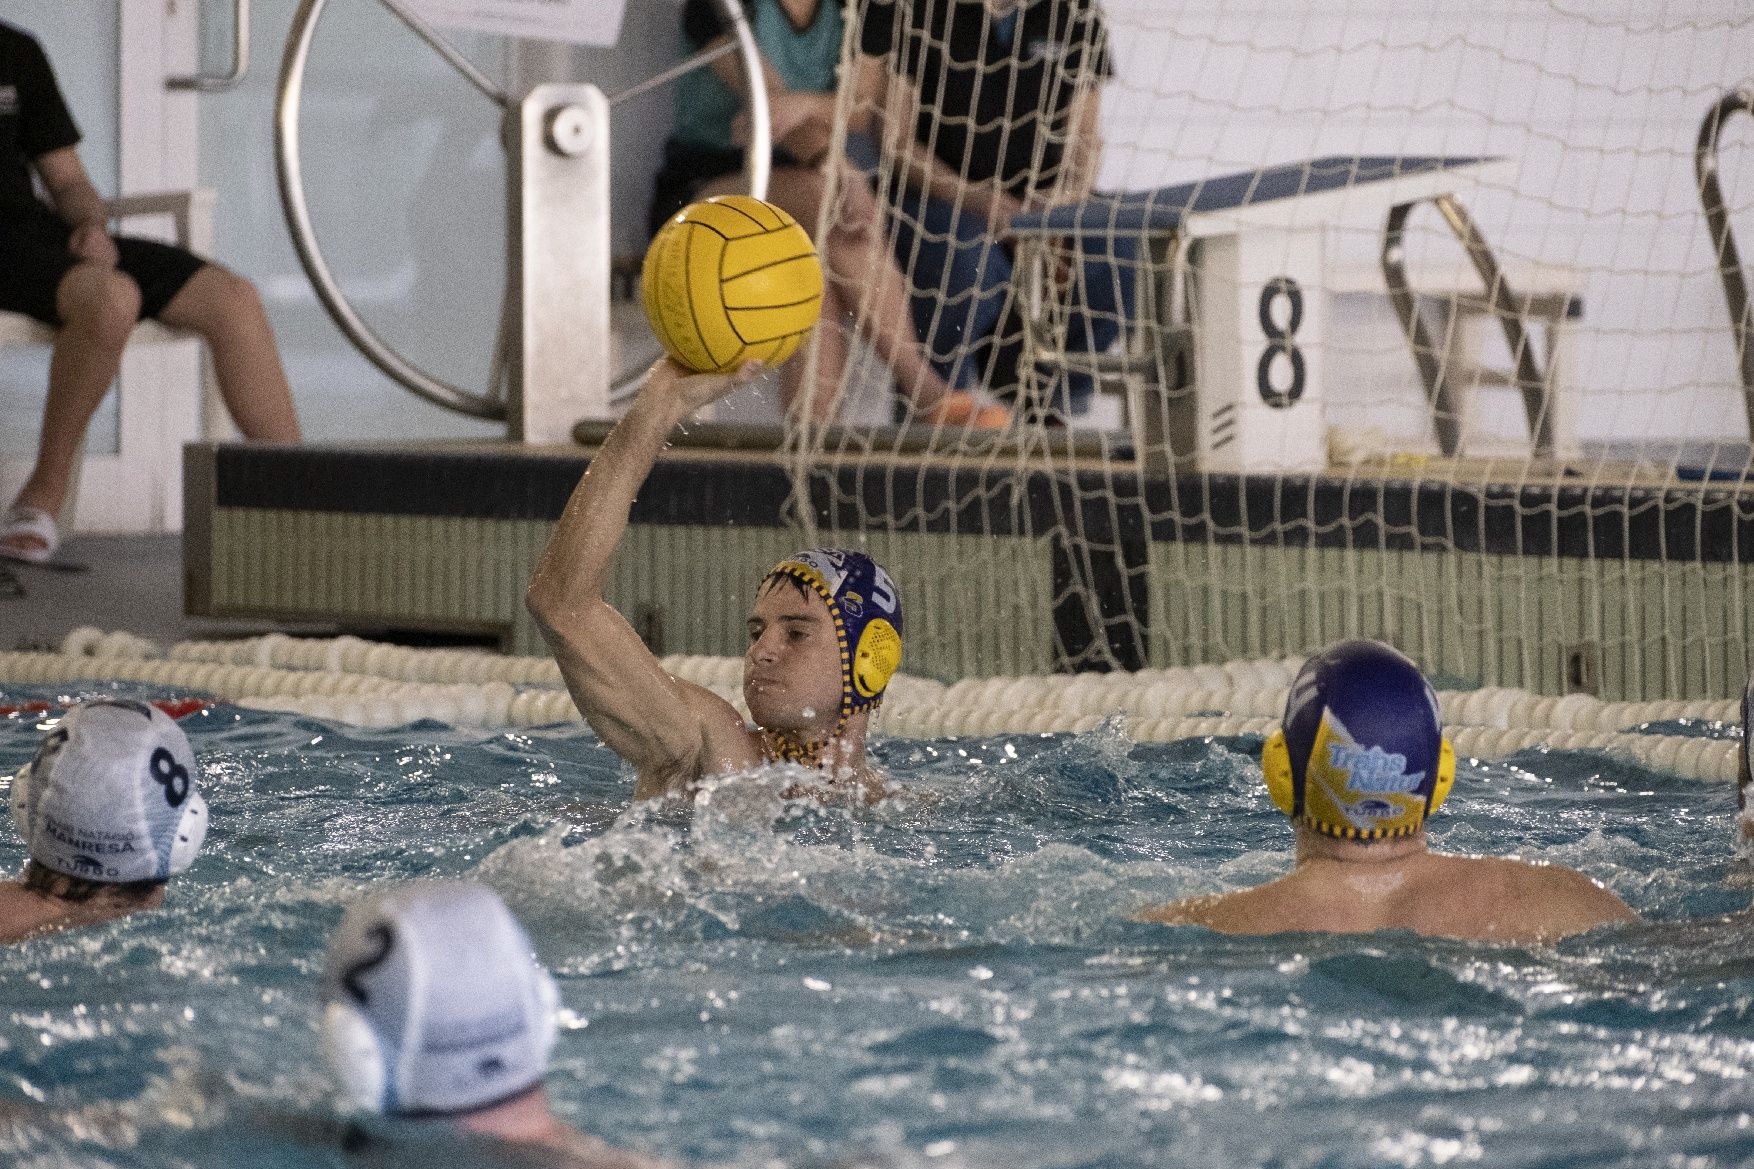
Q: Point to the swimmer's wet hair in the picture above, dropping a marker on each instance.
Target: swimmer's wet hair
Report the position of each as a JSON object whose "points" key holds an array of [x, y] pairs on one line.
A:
{"points": [[47, 882], [798, 585]]}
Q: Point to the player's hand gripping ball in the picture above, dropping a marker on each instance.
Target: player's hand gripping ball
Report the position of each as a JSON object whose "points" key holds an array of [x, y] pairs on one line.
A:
{"points": [[731, 280]]}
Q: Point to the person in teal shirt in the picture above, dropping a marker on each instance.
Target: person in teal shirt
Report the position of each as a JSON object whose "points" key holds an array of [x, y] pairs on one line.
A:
{"points": [[800, 43]]}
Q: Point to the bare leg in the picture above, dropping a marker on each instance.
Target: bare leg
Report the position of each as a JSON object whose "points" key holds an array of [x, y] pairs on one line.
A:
{"points": [[859, 267], [868, 276], [226, 311], [99, 307]]}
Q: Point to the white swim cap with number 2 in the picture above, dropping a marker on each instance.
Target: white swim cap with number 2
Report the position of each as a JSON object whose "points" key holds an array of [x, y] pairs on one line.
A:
{"points": [[433, 1002]]}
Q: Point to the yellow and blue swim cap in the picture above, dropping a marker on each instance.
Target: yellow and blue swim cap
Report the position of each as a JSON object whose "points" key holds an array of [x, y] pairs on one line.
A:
{"points": [[1361, 754], [867, 619]]}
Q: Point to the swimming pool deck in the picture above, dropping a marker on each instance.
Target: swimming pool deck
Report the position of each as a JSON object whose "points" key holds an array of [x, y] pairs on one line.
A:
{"points": [[133, 583]]}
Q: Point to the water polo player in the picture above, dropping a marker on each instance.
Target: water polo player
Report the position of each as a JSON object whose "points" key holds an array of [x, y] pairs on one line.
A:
{"points": [[1358, 765], [110, 809], [824, 634], [435, 1008]]}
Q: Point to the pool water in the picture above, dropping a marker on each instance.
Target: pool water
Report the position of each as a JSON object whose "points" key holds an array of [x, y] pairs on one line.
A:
{"points": [[949, 980]]}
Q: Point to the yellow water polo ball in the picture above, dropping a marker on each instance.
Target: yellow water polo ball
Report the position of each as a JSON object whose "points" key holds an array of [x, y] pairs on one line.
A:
{"points": [[729, 280]]}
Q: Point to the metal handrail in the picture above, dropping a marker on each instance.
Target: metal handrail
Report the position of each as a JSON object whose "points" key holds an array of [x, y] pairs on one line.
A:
{"points": [[290, 173], [240, 58], [1717, 219], [1510, 310]]}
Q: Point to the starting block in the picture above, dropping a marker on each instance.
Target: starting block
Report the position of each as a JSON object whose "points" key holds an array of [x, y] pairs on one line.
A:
{"points": [[1231, 331]]}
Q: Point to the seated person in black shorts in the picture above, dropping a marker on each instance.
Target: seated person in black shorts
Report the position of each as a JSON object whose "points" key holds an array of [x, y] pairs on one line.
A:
{"points": [[800, 42], [60, 265]]}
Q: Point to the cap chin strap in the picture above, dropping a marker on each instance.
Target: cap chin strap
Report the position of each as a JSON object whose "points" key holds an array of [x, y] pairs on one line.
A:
{"points": [[780, 747]]}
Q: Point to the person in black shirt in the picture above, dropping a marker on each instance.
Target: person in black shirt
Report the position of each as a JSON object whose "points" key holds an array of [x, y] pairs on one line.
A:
{"points": [[989, 109], [59, 264]]}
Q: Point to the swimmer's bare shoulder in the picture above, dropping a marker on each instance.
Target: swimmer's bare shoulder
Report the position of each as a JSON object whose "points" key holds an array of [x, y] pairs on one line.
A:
{"points": [[576, 1150], [726, 744], [1511, 899], [561, 1152], [22, 914], [1267, 909], [591, 1153], [1496, 899], [25, 915]]}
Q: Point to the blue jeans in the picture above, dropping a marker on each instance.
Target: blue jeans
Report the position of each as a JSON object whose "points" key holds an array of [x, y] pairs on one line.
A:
{"points": [[959, 279]]}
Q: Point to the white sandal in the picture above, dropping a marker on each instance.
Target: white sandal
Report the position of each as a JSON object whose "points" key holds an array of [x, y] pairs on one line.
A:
{"points": [[23, 523]]}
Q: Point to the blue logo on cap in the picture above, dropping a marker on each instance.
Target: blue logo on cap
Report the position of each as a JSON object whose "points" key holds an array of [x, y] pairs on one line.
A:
{"points": [[1372, 769]]}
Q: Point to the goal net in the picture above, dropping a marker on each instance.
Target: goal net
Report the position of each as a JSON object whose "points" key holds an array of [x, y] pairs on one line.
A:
{"points": [[1319, 319]]}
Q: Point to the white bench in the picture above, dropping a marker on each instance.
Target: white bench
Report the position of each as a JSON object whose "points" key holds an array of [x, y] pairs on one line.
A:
{"points": [[163, 400]]}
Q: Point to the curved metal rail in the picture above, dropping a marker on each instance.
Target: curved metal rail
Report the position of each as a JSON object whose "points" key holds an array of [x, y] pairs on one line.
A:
{"points": [[290, 173], [1511, 311], [1717, 219]]}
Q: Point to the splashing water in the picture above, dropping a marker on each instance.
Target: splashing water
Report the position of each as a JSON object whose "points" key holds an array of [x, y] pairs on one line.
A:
{"points": [[950, 979]]}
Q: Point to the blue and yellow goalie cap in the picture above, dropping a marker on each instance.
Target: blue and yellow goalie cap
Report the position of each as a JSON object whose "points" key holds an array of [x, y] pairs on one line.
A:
{"points": [[867, 619], [1361, 754]]}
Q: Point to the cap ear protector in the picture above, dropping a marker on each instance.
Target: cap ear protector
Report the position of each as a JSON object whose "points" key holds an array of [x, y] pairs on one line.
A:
{"points": [[1446, 776], [1276, 767], [363, 1072], [351, 1047], [24, 779], [1282, 781], [876, 659], [21, 785], [191, 834]]}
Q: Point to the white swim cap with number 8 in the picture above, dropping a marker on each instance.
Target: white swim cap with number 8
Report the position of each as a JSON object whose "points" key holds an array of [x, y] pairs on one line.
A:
{"points": [[112, 795]]}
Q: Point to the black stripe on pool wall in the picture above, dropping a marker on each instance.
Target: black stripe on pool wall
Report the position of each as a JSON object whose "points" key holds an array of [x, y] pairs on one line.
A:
{"points": [[486, 485], [1683, 523]]}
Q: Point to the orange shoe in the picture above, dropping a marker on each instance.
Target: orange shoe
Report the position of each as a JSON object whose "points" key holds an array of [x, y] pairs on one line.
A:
{"points": [[962, 408], [992, 416], [953, 409]]}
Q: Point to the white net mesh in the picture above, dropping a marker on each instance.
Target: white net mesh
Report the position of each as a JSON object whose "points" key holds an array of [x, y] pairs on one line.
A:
{"points": [[1229, 439]]}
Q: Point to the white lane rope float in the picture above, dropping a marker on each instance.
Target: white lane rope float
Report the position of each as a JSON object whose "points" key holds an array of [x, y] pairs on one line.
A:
{"points": [[373, 684]]}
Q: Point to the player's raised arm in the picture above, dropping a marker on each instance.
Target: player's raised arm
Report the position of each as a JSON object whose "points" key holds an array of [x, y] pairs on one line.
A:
{"points": [[665, 727]]}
